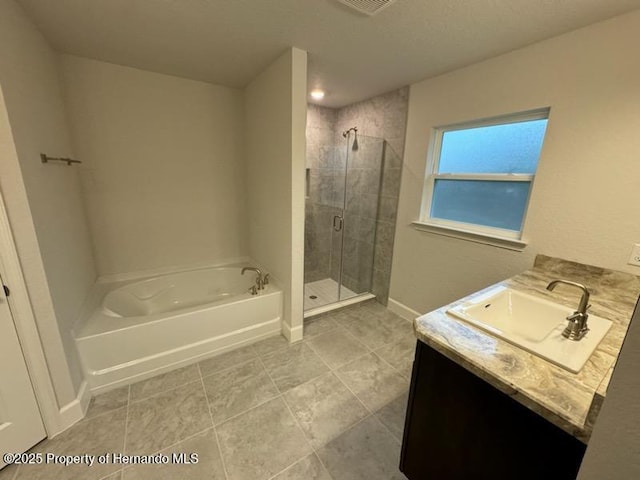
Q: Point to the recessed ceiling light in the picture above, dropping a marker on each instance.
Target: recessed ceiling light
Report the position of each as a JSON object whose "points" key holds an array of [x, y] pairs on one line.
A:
{"points": [[317, 94], [368, 7]]}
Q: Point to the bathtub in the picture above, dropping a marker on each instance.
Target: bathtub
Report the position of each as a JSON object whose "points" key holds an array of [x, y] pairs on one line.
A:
{"points": [[141, 328]]}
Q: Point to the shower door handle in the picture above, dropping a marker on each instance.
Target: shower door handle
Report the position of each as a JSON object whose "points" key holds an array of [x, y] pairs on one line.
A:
{"points": [[337, 223]]}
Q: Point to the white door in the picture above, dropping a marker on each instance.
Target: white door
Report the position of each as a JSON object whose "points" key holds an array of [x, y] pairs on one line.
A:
{"points": [[20, 422]]}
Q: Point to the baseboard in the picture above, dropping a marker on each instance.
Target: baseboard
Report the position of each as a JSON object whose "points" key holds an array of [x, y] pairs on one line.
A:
{"points": [[292, 334], [402, 310], [75, 410]]}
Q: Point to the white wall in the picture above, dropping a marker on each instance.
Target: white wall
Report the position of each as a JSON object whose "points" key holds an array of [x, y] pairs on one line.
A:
{"points": [[584, 205], [163, 171], [613, 451], [44, 202], [275, 120]]}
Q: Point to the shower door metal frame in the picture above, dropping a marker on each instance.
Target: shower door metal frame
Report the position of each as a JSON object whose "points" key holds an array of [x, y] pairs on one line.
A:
{"points": [[344, 208]]}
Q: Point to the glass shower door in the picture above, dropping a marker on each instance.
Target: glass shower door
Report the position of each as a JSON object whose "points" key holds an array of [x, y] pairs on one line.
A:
{"points": [[343, 187], [361, 198], [323, 219]]}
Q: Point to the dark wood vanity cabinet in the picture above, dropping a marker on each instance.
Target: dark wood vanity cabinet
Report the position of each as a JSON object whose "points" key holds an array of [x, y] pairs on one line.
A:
{"points": [[460, 427]]}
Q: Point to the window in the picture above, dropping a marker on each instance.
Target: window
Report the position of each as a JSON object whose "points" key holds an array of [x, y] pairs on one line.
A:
{"points": [[479, 176]]}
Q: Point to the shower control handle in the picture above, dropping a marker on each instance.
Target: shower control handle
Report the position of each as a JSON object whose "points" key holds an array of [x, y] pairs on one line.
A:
{"points": [[337, 222]]}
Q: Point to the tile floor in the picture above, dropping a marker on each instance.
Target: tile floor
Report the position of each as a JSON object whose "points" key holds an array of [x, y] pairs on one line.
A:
{"points": [[329, 407], [325, 291]]}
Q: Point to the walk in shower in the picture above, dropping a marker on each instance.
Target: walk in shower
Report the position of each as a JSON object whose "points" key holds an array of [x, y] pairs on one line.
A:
{"points": [[344, 181]]}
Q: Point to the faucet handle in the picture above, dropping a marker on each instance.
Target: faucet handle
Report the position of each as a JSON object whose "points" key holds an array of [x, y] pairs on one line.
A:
{"points": [[575, 316], [265, 279]]}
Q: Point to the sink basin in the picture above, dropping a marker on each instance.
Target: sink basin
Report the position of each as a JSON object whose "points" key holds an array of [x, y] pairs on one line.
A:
{"points": [[532, 323]]}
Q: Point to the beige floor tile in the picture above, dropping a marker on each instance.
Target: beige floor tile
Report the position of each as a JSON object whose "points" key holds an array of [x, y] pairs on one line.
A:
{"points": [[270, 345], [102, 434], [236, 390], [261, 442], [230, 359], [372, 307], [309, 468], [373, 381], [366, 452], [208, 466], [8, 472], [324, 408], [337, 347], [392, 415], [259, 437], [115, 476], [106, 402], [376, 330], [293, 366], [167, 418], [166, 381], [318, 326], [399, 355], [344, 314]]}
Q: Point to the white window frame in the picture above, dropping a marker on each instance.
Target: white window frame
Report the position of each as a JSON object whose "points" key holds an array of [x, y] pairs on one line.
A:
{"points": [[475, 232]]}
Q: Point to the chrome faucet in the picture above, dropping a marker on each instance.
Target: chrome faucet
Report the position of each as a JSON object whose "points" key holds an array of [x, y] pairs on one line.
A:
{"points": [[260, 280], [577, 327]]}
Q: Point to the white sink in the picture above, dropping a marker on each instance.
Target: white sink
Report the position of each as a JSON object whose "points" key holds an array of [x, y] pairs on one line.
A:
{"points": [[532, 323]]}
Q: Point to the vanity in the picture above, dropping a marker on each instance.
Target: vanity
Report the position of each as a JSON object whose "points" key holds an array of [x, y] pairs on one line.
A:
{"points": [[484, 403]]}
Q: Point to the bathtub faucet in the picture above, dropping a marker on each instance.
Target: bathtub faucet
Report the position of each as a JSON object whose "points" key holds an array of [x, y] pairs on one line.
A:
{"points": [[260, 280]]}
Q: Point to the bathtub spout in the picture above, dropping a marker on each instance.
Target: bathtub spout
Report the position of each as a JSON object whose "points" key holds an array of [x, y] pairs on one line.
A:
{"points": [[253, 269], [259, 279]]}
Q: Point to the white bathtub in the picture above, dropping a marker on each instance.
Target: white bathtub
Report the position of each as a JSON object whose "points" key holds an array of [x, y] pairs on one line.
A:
{"points": [[145, 327]]}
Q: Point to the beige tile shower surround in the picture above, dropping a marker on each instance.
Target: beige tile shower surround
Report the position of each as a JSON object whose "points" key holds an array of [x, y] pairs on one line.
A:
{"points": [[570, 401], [329, 407]]}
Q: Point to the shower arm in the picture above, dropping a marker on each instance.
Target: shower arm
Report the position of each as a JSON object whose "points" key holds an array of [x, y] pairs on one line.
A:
{"points": [[345, 134], [352, 129]]}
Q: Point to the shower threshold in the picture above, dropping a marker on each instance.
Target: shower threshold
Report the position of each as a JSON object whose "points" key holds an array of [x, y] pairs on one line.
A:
{"points": [[322, 296], [312, 312]]}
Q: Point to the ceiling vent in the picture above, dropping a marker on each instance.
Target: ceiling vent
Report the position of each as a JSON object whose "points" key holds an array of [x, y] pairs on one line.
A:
{"points": [[368, 7]]}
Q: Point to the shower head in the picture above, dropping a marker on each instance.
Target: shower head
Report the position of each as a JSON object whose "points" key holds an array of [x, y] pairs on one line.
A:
{"points": [[354, 147]]}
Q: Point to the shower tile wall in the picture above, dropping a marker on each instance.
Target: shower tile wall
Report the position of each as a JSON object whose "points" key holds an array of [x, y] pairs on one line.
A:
{"points": [[320, 201], [369, 226], [384, 116]]}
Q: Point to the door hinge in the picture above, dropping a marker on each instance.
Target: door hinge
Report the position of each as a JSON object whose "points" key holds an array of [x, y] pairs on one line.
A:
{"points": [[7, 292]]}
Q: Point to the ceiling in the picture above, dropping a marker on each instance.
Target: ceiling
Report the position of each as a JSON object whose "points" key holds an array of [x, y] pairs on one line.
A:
{"points": [[351, 56]]}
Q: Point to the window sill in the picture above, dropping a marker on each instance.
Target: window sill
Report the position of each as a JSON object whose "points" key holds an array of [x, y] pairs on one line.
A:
{"points": [[477, 237]]}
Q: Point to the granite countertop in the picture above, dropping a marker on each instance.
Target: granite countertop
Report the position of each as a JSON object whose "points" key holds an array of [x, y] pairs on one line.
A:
{"points": [[570, 401]]}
